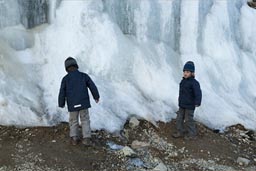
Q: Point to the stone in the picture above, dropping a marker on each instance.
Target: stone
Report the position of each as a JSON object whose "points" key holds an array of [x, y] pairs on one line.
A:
{"points": [[211, 168], [19, 146], [128, 152], [160, 167], [182, 150], [114, 146], [173, 154], [134, 122], [243, 161], [251, 4], [138, 144]]}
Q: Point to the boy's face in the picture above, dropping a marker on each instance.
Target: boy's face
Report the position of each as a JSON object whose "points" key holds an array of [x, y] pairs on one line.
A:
{"points": [[187, 74]]}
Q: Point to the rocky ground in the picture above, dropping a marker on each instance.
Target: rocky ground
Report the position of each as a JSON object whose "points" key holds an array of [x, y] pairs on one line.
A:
{"points": [[140, 146], [252, 4]]}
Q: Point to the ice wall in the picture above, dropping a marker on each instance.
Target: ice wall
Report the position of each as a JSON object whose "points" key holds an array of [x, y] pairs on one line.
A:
{"points": [[29, 13], [135, 51], [9, 13]]}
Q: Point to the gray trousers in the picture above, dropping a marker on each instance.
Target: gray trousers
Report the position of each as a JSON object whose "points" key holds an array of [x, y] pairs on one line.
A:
{"points": [[74, 123], [185, 122]]}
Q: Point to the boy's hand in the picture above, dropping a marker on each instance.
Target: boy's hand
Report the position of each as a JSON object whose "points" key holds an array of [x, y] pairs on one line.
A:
{"points": [[197, 105], [97, 100]]}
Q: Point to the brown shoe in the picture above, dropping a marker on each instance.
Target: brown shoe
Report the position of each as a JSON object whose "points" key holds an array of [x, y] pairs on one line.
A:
{"points": [[177, 135], [87, 142], [74, 140]]}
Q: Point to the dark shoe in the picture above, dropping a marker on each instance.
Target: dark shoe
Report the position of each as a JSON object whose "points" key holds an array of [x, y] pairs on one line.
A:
{"points": [[87, 142], [189, 137], [177, 135], [74, 140]]}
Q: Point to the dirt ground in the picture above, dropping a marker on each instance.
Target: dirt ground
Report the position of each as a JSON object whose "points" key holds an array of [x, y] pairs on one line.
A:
{"points": [[48, 148]]}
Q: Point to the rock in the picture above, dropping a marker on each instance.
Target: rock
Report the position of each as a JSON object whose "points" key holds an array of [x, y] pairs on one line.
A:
{"points": [[114, 146], [173, 154], [124, 134], [182, 150], [251, 135], [54, 141], [137, 162], [138, 144], [211, 161], [134, 122], [19, 146], [160, 167], [242, 161], [211, 168], [127, 151], [251, 4]]}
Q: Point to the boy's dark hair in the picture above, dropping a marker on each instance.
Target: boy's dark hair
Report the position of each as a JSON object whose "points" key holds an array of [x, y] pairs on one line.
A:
{"points": [[70, 63]]}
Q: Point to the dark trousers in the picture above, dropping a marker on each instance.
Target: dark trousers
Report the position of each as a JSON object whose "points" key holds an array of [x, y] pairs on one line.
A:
{"points": [[185, 122]]}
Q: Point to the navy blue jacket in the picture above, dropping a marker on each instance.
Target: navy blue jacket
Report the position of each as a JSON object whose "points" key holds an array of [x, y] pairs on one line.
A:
{"points": [[190, 94], [74, 89]]}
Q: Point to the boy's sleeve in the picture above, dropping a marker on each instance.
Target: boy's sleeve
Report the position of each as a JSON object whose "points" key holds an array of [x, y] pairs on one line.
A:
{"points": [[179, 91], [62, 94], [94, 90], [197, 93]]}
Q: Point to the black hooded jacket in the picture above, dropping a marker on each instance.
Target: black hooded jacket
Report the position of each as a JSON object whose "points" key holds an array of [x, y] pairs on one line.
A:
{"points": [[190, 94], [74, 89]]}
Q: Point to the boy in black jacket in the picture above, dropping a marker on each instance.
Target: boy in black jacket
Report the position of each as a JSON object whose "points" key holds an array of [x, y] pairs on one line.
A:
{"points": [[190, 97], [74, 89]]}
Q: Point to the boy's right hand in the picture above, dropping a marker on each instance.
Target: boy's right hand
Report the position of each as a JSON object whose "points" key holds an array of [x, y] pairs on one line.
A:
{"points": [[97, 100]]}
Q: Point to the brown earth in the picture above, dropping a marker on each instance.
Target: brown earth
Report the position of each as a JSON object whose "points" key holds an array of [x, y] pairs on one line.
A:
{"points": [[48, 148], [252, 4]]}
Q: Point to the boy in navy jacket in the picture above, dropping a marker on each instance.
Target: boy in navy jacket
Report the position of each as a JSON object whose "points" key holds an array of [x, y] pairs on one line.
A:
{"points": [[190, 97], [74, 90]]}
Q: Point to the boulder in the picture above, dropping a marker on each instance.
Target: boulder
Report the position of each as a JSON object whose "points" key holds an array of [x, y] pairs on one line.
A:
{"points": [[160, 167], [128, 152], [139, 144], [134, 122], [243, 161]]}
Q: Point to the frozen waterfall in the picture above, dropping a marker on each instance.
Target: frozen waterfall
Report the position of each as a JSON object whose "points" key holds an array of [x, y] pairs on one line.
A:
{"points": [[134, 50]]}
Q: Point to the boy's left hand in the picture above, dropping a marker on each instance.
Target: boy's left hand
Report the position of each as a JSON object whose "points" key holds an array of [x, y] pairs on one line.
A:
{"points": [[97, 100]]}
